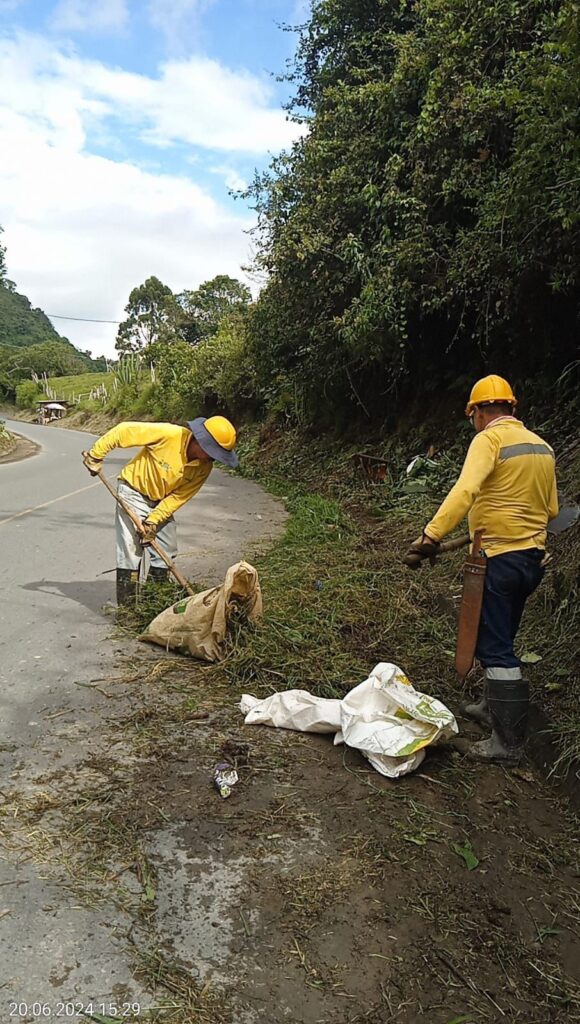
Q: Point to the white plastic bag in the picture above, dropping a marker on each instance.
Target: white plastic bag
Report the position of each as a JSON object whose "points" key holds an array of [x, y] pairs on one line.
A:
{"points": [[293, 709], [391, 723], [385, 718]]}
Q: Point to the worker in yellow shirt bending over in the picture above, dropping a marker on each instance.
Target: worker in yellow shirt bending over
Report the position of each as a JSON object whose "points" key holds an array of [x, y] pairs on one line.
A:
{"points": [[174, 462], [507, 488]]}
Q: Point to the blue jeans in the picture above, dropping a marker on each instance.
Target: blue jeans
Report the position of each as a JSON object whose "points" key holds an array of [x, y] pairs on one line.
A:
{"points": [[509, 581]]}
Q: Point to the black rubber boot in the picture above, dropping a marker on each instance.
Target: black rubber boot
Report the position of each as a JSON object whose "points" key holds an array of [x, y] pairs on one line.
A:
{"points": [[127, 582], [508, 701], [478, 712], [157, 574]]}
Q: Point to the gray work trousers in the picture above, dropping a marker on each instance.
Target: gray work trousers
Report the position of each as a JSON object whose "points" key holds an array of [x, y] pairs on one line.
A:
{"points": [[129, 549]]}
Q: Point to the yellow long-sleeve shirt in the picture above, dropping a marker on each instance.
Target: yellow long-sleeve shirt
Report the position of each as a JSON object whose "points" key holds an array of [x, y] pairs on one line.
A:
{"points": [[160, 470], [507, 488]]}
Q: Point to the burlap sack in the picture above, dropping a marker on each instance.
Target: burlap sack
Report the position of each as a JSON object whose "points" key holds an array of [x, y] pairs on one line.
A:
{"points": [[198, 625]]}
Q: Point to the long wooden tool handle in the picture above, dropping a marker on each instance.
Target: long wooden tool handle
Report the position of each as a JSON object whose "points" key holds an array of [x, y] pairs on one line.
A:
{"points": [[153, 544], [454, 545]]}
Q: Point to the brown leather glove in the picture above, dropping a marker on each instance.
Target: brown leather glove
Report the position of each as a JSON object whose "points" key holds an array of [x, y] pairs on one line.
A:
{"points": [[149, 532], [420, 549], [94, 466]]}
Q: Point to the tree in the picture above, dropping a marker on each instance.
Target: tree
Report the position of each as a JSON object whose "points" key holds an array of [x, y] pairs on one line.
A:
{"points": [[204, 309], [151, 316], [430, 218], [54, 358]]}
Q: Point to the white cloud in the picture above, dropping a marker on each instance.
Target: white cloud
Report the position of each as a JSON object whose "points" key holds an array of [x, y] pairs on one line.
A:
{"points": [[232, 178], [177, 20], [196, 101], [90, 15], [82, 229]]}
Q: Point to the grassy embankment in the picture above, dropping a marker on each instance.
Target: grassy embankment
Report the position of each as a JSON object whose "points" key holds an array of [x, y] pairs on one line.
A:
{"points": [[79, 385], [338, 600]]}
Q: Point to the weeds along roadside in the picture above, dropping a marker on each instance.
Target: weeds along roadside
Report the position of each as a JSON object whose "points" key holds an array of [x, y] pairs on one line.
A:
{"points": [[338, 599]]}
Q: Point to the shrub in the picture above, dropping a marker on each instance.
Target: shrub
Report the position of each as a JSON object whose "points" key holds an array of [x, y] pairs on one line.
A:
{"points": [[27, 394]]}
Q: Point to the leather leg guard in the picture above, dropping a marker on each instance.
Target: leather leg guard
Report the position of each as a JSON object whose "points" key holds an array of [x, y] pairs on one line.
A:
{"points": [[127, 582], [508, 701]]}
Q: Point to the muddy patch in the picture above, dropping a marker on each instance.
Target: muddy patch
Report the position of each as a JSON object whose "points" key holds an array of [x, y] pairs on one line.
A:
{"points": [[320, 892]]}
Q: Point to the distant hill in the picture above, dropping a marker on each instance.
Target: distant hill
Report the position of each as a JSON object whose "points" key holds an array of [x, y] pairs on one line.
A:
{"points": [[20, 324]]}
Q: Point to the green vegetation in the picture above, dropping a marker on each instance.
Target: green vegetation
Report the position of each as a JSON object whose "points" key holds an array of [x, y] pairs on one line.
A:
{"points": [[79, 385], [27, 394], [6, 440], [54, 358], [426, 229], [20, 324], [156, 317], [29, 344]]}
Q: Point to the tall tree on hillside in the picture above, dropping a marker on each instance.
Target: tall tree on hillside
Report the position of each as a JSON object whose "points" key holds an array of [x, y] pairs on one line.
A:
{"points": [[204, 309], [151, 316], [430, 218]]}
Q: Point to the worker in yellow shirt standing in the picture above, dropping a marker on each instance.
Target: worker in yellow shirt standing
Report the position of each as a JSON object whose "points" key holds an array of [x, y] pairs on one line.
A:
{"points": [[507, 487], [172, 465]]}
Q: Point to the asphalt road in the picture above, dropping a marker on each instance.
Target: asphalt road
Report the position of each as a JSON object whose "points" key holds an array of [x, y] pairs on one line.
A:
{"points": [[56, 545]]}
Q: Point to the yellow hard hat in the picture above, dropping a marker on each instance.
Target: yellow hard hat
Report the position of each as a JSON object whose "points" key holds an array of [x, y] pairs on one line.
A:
{"points": [[217, 437], [222, 431], [490, 389]]}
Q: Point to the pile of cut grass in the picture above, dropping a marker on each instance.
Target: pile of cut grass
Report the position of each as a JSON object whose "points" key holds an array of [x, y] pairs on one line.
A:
{"points": [[338, 601]]}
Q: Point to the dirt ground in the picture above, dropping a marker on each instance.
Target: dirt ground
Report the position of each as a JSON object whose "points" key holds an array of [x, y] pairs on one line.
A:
{"points": [[320, 892]]}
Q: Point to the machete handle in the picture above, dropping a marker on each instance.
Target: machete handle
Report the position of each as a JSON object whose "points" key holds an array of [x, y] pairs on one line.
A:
{"points": [[413, 559]]}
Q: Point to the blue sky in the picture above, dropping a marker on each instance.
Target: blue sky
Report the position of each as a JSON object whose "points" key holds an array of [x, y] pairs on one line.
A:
{"points": [[123, 125]]}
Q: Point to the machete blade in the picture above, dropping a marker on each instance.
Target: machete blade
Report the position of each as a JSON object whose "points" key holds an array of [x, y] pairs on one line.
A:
{"points": [[566, 518]]}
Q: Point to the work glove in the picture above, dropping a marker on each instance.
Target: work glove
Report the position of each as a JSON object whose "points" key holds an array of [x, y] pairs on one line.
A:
{"points": [[94, 466], [420, 549], [149, 532]]}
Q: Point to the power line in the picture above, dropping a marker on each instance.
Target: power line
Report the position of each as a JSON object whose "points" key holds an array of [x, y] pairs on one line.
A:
{"points": [[81, 319]]}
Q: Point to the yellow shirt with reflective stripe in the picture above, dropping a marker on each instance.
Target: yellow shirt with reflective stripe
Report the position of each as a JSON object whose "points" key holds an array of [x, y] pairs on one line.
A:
{"points": [[160, 470], [507, 488]]}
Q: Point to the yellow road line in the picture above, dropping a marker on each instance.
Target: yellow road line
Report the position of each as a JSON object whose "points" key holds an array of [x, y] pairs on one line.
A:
{"points": [[45, 504]]}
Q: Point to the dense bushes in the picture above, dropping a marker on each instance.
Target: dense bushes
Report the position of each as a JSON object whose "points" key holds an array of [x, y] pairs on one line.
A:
{"points": [[27, 394], [427, 227]]}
